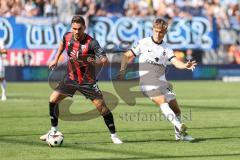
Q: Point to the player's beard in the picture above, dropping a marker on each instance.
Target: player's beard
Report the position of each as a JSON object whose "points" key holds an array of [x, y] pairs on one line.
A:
{"points": [[78, 36]]}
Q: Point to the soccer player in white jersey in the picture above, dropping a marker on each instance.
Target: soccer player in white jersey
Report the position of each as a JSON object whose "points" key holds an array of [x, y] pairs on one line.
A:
{"points": [[2, 71], [154, 54]]}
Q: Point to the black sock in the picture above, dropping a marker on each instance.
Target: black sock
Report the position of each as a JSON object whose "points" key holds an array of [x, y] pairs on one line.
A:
{"points": [[108, 118], [54, 112]]}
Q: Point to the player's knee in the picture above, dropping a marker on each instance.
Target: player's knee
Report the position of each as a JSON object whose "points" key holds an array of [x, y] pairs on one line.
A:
{"points": [[53, 99], [159, 100]]}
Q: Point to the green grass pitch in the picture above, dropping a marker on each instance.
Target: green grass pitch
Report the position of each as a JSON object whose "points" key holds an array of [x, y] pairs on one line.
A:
{"points": [[211, 110]]}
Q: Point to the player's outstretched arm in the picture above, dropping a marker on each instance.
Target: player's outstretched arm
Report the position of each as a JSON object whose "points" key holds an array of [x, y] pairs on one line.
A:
{"points": [[54, 63], [126, 58], [180, 65]]}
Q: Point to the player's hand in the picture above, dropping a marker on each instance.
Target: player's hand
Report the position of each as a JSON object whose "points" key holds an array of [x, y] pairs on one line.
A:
{"points": [[52, 65], [191, 65], [101, 60], [90, 60]]}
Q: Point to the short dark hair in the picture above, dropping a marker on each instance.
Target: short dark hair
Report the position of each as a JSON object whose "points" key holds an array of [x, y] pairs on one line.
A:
{"points": [[78, 19], [160, 23]]}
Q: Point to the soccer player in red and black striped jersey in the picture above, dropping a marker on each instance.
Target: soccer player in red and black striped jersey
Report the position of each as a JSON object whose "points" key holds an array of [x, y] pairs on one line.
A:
{"points": [[82, 50]]}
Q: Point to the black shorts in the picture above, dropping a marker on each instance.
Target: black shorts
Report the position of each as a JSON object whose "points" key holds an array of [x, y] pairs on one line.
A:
{"points": [[69, 87]]}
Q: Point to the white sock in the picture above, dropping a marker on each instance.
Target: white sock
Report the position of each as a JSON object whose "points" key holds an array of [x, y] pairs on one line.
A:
{"points": [[170, 115], [175, 129], [3, 86], [54, 129], [113, 134]]}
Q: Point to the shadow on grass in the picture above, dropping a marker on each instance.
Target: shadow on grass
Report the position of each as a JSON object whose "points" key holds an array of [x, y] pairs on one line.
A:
{"points": [[26, 97], [149, 140], [170, 129], [120, 131], [217, 138], [210, 107], [162, 157], [25, 116], [139, 105], [127, 154], [22, 142], [197, 140]]}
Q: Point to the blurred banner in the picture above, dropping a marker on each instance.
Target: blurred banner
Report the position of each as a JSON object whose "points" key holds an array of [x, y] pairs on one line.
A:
{"points": [[113, 33], [118, 34], [31, 33], [32, 57]]}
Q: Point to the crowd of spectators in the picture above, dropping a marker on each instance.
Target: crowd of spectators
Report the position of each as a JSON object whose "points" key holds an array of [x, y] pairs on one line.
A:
{"points": [[225, 12]]}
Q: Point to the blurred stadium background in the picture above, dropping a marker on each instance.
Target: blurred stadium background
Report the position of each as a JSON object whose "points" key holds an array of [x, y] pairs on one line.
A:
{"points": [[205, 30]]}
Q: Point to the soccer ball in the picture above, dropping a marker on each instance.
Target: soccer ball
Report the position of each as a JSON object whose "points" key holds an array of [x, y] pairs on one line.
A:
{"points": [[54, 139]]}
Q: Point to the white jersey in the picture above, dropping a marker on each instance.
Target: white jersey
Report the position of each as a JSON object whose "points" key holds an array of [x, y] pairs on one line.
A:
{"points": [[153, 52], [153, 58]]}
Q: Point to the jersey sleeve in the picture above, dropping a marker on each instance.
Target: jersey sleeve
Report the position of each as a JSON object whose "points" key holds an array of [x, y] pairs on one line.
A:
{"points": [[136, 48], [97, 49], [170, 54]]}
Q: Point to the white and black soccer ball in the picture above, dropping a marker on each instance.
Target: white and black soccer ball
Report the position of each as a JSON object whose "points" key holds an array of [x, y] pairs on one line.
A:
{"points": [[54, 139]]}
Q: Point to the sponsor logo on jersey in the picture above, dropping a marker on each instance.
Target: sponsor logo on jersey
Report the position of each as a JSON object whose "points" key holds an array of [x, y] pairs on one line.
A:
{"points": [[154, 63], [164, 53]]}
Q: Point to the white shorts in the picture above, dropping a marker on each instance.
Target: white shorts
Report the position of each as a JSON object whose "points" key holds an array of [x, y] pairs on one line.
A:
{"points": [[164, 88], [2, 71]]}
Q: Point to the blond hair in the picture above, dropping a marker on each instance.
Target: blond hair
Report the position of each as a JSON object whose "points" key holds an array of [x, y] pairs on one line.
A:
{"points": [[160, 23]]}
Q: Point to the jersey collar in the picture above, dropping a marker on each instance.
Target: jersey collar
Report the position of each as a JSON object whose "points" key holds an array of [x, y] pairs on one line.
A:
{"points": [[158, 43]]}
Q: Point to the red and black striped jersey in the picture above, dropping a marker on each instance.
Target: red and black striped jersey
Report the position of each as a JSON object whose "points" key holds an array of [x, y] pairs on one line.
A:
{"points": [[80, 67]]}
